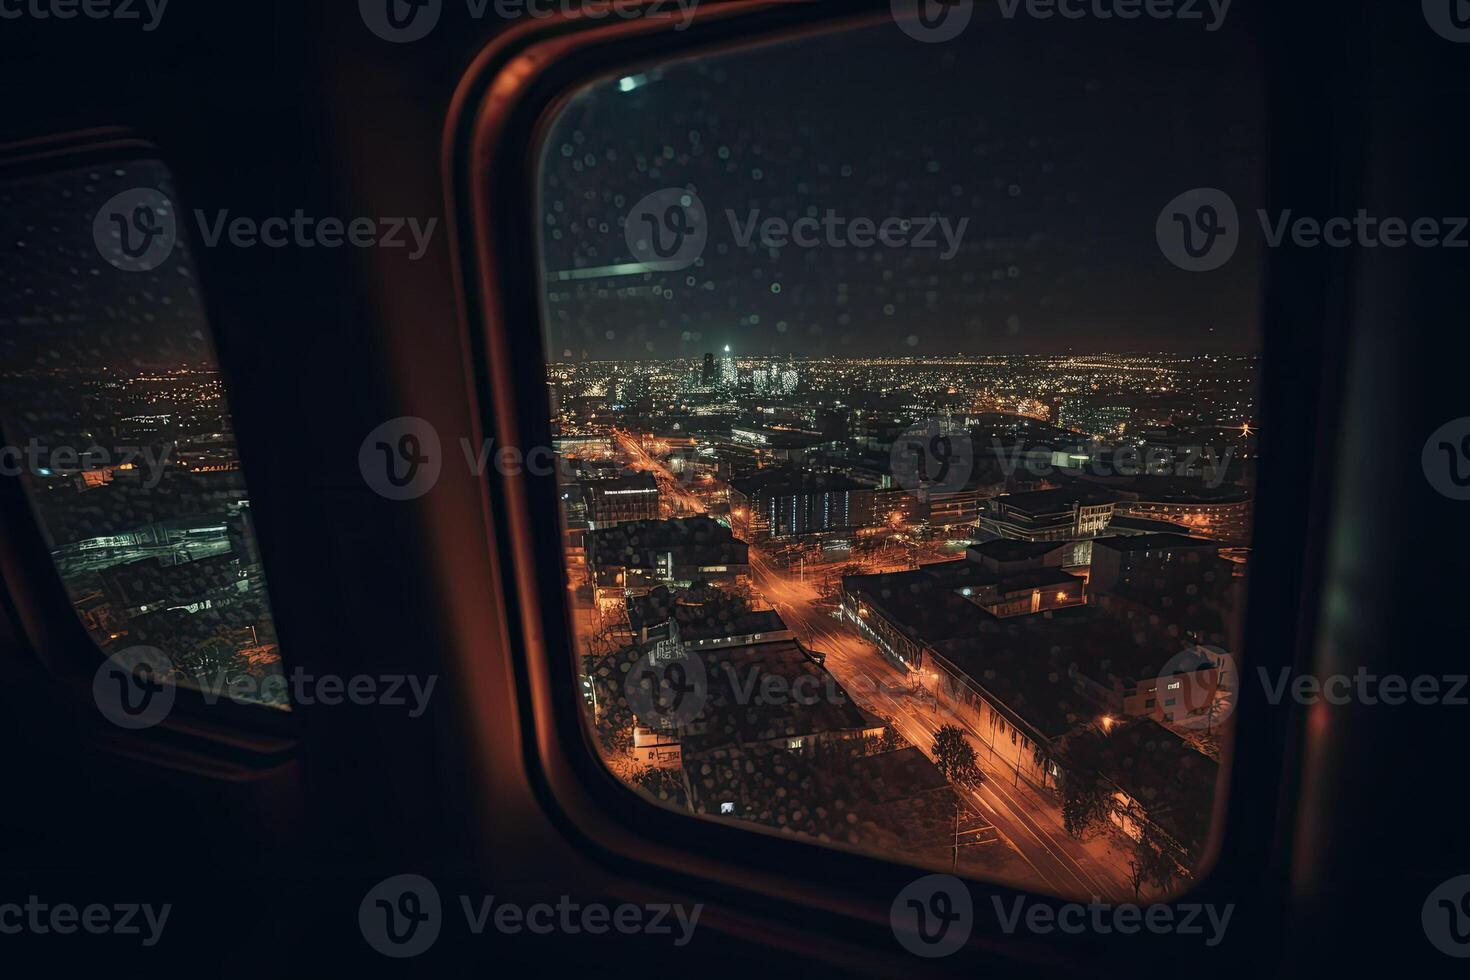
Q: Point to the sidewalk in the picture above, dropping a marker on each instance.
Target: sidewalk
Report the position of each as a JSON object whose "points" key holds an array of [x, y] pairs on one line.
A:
{"points": [[1104, 856]]}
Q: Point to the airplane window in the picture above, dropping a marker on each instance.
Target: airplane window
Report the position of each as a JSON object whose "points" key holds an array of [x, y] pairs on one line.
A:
{"points": [[116, 422], [906, 398]]}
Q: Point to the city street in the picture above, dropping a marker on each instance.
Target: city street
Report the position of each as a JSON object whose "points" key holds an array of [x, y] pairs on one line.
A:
{"points": [[1027, 820]]}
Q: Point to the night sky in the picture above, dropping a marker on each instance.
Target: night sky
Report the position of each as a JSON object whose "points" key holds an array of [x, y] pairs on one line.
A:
{"points": [[1060, 141], [62, 306]]}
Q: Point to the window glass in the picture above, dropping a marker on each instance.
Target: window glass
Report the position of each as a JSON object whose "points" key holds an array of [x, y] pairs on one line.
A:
{"points": [[115, 419], [907, 398]]}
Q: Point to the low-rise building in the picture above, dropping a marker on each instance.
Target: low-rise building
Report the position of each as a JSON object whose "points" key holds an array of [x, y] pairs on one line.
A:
{"points": [[702, 618], [1224, 513], [617, 501], [1161, 786], [1067, 514], [634, 557], [785, 502]]}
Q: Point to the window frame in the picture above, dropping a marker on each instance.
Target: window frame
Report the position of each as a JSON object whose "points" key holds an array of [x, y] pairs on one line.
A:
{"points": [[496, 127], [226, 739]]}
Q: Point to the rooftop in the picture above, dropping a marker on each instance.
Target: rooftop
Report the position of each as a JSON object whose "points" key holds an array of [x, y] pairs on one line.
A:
{"points": [[1031, 690], [1054, 501], [785, 480], [1010, 550], [699, 539], [736, 713], [1153, 542], [701, 612], [923, 605], [1173, 782], [634, 481]]}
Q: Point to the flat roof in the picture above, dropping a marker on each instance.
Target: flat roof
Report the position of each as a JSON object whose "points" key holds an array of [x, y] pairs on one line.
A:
{"points": [[635, 481], [1051, 501], [702, 613], [729, 717], [1009, 549], [1153, 542]]}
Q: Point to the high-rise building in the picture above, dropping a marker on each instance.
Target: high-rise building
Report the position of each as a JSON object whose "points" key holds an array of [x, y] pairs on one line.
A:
{"points": [[708, 375], [779, 503], [728, 374], [1094, 418]]}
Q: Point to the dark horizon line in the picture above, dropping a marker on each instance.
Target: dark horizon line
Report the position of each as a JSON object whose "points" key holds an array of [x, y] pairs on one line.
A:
{"points": [[910, 357]]}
